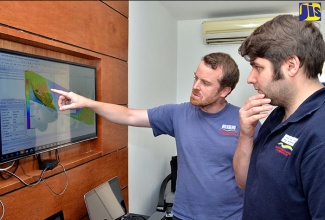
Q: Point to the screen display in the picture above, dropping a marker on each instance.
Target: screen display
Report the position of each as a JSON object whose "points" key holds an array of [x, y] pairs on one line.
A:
{"points": [[29, 117]]}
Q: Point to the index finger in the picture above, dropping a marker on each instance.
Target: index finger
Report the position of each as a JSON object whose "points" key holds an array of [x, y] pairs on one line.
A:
{"points": [[60, 92], [255, 97], [256, 100]]}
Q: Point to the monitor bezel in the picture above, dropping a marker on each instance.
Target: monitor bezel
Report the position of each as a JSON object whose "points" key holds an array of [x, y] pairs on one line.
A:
{"points": [[71, 141]]}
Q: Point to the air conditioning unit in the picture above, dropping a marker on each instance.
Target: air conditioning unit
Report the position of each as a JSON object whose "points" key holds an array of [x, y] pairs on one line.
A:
{"points": [[230, 31]]}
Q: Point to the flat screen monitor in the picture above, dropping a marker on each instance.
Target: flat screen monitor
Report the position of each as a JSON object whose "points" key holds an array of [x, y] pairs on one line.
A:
{"points": [[30, 122]]}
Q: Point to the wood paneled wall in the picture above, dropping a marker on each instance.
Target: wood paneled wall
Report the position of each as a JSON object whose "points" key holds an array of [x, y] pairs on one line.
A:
{"points": [[86, 32]]}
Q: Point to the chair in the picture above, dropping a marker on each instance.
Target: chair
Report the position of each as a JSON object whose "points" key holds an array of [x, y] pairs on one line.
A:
{"points": [[167, 190]]}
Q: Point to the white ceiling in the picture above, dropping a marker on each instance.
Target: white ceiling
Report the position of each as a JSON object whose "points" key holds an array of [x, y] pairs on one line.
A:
{"points": [[192, 10]]}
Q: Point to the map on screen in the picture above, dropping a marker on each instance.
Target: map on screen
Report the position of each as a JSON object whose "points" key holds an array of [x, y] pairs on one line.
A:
{"points": [[29, 116]]}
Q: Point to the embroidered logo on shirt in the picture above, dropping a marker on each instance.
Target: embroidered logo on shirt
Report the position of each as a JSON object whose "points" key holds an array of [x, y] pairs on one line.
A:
{"points": [[285, 147], [228, 130]]}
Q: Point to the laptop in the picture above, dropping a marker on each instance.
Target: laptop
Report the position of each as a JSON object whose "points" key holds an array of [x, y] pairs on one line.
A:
{"points": [[106, 202]]}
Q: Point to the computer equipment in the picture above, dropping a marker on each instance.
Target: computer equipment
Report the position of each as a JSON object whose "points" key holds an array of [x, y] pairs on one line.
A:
{"points": [[157, 216], [30, 120], [106, 202], [57, 216]]}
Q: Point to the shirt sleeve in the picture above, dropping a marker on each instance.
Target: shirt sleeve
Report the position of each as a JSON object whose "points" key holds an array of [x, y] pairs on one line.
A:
{"points": [[313, 179], [161, 119]]}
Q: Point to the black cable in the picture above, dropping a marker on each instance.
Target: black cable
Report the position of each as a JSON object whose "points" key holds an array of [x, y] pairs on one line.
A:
{"points": [[49, 164], [40, 177], [3, 209], [9, 176], [66, 185], [58, 194], [22, 181], [22, 168], [57, 155]]}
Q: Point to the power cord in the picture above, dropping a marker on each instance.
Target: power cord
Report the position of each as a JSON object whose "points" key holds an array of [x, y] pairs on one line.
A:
{"points": [[7, 168], [3, 210], [47, 166], [23, 182], [66, 185], [41, 179], [2, 205]]}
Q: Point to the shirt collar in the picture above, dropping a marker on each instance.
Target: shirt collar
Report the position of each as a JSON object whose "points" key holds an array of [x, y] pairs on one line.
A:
{"points": [[311, 104]]}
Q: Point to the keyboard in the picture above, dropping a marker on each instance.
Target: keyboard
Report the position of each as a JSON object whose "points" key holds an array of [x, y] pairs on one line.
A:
{"points": [[133, 217]]}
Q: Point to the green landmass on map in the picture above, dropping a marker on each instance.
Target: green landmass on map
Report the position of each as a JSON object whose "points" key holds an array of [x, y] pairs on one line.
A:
{"points": [[40, 88], [86, 115]]}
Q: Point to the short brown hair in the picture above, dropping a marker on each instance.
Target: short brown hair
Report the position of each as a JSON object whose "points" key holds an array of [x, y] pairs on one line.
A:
{"points": [[283, 37], [229, 67]]}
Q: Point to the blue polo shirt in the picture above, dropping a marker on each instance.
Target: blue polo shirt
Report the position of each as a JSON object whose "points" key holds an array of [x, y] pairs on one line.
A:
{"points": [[286, 177]]}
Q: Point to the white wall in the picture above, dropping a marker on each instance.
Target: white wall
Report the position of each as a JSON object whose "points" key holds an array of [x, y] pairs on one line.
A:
{"points": [[152, 82], [163, 55], [190, 50]]}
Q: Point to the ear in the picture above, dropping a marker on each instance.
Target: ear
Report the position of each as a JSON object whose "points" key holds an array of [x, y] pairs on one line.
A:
{"points": [[293, 65], [225, 91]]}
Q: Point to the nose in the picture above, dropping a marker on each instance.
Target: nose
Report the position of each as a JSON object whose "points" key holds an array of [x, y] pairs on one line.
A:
{"points": [[196, 84], [252, 77]]}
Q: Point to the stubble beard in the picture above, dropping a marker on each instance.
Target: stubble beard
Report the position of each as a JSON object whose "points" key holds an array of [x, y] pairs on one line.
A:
{"points": [[195, 101], [202, 103], [280, 93]]}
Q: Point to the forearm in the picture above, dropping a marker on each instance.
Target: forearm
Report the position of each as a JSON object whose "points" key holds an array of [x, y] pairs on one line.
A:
{"points": [[242, 158], [120, 114], [253, 110], [114, 113]]}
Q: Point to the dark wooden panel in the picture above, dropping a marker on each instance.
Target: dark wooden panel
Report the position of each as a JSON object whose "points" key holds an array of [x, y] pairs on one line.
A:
{"points": [[87, 32], [121, 6], [114, 137], [114, 81], [86, 24], [111, 86], [39, 202]]}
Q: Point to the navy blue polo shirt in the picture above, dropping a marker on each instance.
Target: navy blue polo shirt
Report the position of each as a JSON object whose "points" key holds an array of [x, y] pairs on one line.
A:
{"points": [[286, 177]]}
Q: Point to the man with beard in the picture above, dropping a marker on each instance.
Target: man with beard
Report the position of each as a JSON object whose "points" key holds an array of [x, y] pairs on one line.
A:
{"points": [[206, 131], [283, 168]]}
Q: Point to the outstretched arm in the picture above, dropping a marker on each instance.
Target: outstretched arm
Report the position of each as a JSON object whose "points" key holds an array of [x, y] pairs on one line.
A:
{"points": [[251, 112], [111, 112]]}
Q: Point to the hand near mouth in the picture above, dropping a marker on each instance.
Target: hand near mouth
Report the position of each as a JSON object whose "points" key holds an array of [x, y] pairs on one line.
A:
{"points": [[254, 109]]}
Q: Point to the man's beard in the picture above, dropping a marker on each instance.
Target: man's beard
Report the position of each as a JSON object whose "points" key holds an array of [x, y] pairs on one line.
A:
{"points": [[195, 101], [199, 102], [279, 92]]}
